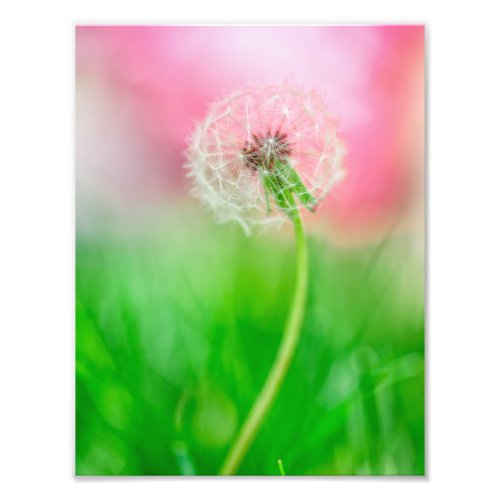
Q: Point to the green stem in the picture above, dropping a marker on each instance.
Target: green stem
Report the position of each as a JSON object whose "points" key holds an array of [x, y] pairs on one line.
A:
{"points": [[282, 361]]}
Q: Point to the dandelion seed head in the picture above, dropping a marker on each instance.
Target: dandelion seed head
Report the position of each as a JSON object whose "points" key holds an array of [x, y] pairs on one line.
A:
{"points": [[243, 135]]}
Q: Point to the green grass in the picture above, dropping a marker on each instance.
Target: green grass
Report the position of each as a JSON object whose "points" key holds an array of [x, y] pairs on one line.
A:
{"points": [[178, 322]]}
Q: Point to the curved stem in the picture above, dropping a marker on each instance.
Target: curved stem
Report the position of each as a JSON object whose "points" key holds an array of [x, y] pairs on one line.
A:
{"points": [[282, 361]]}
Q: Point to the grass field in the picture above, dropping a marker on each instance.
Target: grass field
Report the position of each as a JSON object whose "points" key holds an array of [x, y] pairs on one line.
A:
{"points": [[178, 321]]}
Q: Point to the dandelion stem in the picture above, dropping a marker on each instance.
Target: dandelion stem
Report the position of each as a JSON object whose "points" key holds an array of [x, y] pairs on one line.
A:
{"points": [[282, 361]]}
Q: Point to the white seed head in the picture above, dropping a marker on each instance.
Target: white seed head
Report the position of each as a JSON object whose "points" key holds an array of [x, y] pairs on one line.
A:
{"points": [[257, 127]]}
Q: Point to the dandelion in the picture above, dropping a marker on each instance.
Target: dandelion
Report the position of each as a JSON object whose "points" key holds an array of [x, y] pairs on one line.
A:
{"points": [[261, 156], [261, 147]]}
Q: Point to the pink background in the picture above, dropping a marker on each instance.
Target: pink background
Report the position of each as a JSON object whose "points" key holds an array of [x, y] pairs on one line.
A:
{"points": [[141, 89]]}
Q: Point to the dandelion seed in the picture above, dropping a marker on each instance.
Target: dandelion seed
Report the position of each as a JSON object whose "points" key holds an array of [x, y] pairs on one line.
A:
{"points": [[283, 140]]}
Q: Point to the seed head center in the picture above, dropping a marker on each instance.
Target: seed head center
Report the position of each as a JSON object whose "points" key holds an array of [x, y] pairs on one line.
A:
{"points": [[263, 151]]}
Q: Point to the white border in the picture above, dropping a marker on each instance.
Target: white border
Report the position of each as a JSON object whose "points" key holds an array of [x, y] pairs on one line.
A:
{"points": [[37, 250]]}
